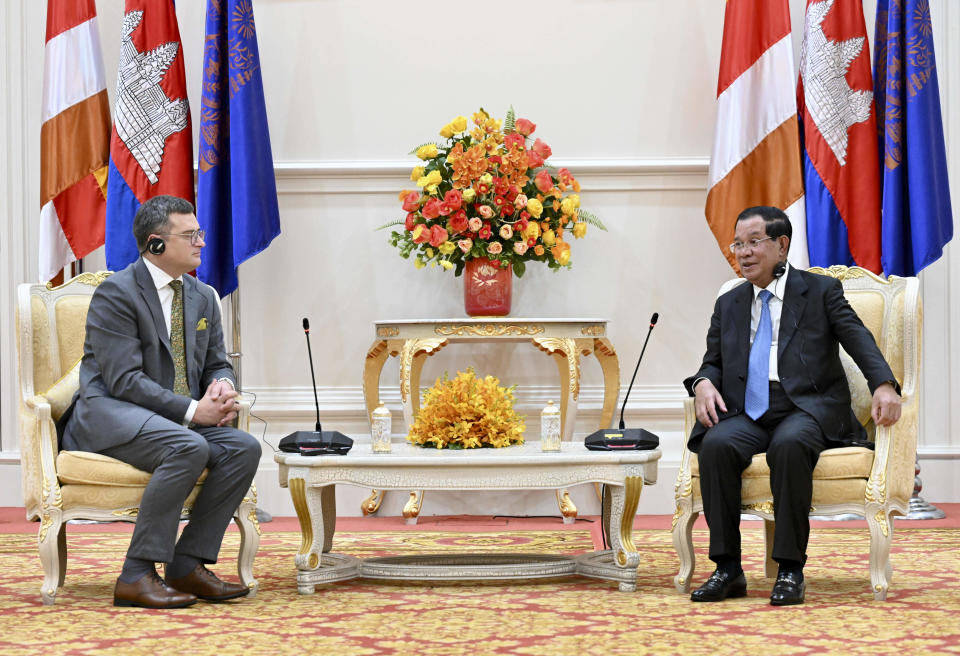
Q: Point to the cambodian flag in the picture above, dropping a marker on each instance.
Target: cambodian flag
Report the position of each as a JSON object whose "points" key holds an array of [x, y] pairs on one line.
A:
{"points": [[151, 147], [840, 161], [236, 189], [917, 217]]}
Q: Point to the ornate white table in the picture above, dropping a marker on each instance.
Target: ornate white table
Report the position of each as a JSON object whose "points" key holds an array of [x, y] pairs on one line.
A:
{"points": [[312, 480], [566, 340]]}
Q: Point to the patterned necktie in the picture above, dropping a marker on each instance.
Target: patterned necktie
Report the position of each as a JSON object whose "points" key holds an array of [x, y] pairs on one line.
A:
{"points": [[180, 384], [758, 374]]}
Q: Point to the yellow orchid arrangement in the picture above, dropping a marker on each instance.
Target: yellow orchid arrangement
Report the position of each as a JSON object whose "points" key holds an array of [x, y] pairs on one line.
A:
{"points": [[467, 412], [489, 192]]}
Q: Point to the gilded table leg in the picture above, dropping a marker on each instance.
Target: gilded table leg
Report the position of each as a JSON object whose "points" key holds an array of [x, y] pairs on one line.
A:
{"points": [[624, 501], [610, 365], [411, 509], [372, 503], [309, 504], [412, 354], [567, 358], [567, 508], [377, 356]]}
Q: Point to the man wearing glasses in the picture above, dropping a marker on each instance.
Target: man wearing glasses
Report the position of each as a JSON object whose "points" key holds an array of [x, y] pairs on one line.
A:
{"points": [[771, 381], [157, 392]]}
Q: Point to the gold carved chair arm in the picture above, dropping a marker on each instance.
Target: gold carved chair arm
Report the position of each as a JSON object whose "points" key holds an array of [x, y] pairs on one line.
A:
{"points": [[683, 485], [895, 449], [38, 451]]}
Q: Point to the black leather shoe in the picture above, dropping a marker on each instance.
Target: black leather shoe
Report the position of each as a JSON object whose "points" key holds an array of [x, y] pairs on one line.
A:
{"points": [[788, 590], [719, 586]]}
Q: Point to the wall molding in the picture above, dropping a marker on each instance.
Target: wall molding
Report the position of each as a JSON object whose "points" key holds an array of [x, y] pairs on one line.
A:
{"points": [[652, 401], [389, 176]]}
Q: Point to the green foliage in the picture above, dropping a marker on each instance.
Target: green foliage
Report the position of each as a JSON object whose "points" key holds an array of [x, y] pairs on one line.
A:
{"points": [[426, 143], [510, 121], [590, 218], [390, 224]]}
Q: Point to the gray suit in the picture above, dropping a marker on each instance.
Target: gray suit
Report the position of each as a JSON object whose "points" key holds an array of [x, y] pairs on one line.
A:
{"points": [[126, 408]]}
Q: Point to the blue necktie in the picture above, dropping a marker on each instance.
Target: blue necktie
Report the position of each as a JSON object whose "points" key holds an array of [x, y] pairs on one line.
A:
{"points": [[758, 374]]}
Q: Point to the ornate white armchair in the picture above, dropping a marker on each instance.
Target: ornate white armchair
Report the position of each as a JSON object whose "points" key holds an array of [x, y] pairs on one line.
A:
{"points": [[873, 483], [63, 485]]}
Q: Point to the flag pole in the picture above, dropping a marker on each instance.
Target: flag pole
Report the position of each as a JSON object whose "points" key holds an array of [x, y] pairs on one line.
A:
{"points": [[236, 354]]}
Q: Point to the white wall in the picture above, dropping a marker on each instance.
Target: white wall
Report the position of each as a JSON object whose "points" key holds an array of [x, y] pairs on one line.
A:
{"points": [[624, 93]]}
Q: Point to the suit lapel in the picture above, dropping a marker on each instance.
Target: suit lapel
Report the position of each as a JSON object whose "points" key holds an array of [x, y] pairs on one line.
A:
{"points": [[794, 302], [742, 302], [148, 292]]}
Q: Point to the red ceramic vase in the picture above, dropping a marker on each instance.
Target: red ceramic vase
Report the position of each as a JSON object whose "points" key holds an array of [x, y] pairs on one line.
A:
{"points": [[487, 288]]}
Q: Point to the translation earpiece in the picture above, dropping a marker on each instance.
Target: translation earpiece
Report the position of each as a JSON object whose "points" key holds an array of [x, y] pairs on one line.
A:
{"points": [[156, 246]]}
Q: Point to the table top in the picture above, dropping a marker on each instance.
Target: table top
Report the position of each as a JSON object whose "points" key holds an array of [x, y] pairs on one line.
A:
{"points": [[490, 328], [405, 454], [515, 467]]}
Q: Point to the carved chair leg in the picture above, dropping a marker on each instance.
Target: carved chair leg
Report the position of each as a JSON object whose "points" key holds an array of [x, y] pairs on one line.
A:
{"points": [[62, 553], [48, 541], [770, 566], [246, 519], [683, 545], [881, 535]]}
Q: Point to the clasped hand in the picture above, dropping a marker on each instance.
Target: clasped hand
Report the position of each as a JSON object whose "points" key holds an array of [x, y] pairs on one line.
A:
{"points": [[218, 407]]}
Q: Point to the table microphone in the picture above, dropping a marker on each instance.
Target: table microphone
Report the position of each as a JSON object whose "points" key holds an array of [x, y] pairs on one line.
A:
{"points": [[609, 439], [316, 442]]}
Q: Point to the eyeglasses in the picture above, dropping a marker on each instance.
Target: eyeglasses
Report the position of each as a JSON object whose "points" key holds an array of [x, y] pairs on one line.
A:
{"points": [[738, 246], [195, 236]]}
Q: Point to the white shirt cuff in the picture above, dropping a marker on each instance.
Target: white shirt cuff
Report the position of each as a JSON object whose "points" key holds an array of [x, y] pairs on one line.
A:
{"points": [[192, 410]]}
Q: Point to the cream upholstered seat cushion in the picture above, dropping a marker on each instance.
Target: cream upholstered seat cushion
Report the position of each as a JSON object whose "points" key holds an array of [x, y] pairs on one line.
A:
{"points": [[84, 468], [841, 463]]}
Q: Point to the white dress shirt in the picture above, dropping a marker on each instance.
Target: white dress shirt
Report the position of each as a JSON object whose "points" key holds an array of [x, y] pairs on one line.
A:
{"points": [[162, 279], [777, 287]]}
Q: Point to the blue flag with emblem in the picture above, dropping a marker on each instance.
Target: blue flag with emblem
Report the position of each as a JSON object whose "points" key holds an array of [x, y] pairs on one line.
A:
{"points": [[917, 220], [236, 190]]}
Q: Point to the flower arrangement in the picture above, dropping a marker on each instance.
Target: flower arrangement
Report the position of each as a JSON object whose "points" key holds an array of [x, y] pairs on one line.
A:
{"points": [[467, 412], [488, 192]]}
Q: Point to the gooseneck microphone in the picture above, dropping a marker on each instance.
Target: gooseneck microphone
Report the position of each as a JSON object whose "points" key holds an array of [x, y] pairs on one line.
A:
{"points": [[607, 439], [316, 442], [313, 378], [653, 322]]}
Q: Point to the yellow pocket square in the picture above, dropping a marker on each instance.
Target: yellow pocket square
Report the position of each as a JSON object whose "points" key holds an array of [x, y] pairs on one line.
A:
{"points": [[202, 324]]}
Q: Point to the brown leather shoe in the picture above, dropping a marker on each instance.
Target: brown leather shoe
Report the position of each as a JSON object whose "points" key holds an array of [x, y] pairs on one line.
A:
{"points": [[150, 592], [205, 585]]}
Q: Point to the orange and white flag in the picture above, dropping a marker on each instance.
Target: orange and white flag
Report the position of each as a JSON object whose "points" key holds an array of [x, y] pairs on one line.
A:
{"points": [[756, 146], [74, 137]]}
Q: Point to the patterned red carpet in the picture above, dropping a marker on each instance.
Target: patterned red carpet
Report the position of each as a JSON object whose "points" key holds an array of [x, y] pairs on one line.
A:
{"points": [[554, 617]]}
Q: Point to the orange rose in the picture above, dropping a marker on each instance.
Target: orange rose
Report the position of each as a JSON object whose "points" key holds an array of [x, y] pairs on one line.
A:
{"points": [[543, 181], [538, 249], [438, 235], [525, 126], [411, 201]]}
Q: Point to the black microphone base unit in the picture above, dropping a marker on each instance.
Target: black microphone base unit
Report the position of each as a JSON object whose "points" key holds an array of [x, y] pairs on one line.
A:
{"points": [[314, 443], [611, 439]]}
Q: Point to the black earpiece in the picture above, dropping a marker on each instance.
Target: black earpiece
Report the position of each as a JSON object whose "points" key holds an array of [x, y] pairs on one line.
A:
{"points": [[779, 269], [156, 246]]}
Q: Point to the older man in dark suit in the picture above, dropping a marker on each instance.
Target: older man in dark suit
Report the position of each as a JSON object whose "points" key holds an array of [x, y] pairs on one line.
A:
{"points": [[156, 391], [771, 381]]}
